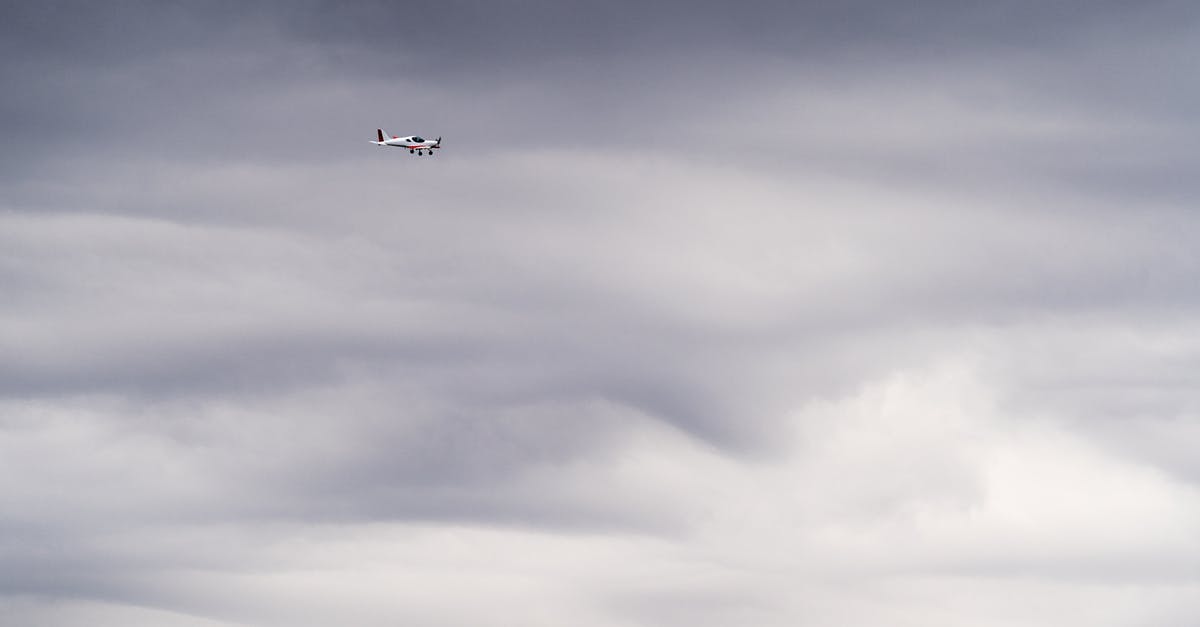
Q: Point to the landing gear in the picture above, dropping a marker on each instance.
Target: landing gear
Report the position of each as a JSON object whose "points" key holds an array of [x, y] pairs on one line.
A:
{"points": [[411, 151], [430, 153]]}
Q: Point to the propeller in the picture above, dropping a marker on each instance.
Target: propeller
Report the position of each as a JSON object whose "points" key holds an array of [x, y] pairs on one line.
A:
{"points": [[438, 143]]}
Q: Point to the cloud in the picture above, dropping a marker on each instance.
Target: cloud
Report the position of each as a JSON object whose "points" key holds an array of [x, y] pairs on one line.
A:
{"points": [[795, 313], [915, 484]]}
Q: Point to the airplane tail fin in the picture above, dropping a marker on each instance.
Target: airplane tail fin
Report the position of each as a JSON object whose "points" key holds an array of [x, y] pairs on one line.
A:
{"points": [[379, 134]]}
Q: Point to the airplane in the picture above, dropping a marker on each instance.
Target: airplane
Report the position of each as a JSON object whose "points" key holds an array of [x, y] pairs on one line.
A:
{"points": [[414, 143]]}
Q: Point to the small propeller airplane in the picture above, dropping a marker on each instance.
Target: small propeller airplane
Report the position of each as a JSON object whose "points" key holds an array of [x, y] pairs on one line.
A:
{"points": [[414, 143]]}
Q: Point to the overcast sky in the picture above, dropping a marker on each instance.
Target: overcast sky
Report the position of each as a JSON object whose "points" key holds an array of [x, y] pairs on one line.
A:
{"points": [[707, 314]]}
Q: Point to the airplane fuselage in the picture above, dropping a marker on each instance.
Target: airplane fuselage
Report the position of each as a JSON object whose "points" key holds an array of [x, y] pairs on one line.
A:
{"points": [[414, 143], [404, 143]]}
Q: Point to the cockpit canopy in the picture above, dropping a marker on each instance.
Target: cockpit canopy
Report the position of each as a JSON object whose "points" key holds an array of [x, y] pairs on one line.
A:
{"points": [[418, 139]]}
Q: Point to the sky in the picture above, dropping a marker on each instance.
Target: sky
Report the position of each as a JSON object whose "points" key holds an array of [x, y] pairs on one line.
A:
{"points": [[706, 314]]}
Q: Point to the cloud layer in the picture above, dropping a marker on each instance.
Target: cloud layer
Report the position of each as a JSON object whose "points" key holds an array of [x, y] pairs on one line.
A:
{"points": [[777, 315]]}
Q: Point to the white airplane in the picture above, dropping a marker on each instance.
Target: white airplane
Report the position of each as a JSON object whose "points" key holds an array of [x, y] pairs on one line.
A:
{"points": [[414, 143]]}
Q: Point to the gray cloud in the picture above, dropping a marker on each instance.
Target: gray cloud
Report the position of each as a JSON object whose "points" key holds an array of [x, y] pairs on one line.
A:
{"points": [[786, 313]]}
